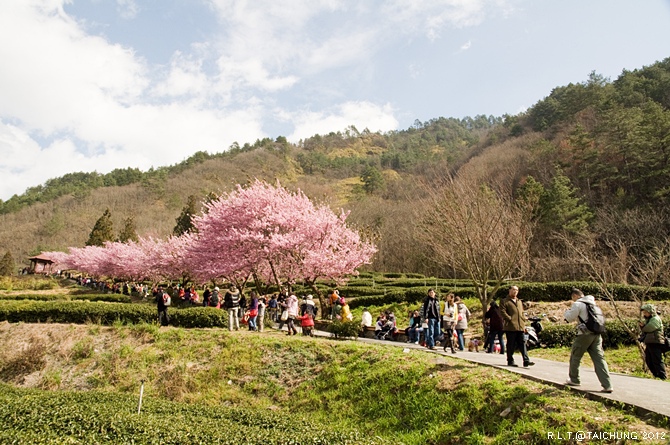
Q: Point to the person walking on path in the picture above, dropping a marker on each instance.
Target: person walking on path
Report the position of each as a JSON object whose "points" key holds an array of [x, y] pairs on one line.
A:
{"points": [[431, 313], [448, 322], [495, 328], [461, 322], [586, 341], [514, 325], [654, 340]]}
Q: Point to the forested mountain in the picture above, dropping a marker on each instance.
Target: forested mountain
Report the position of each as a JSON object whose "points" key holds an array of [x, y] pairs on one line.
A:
{"points": [[593, 157]]}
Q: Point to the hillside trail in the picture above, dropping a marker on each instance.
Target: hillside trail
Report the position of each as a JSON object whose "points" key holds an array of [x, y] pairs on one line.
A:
{"points": [[644, 395]]}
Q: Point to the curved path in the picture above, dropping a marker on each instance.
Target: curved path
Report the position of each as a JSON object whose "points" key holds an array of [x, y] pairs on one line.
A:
{"points": [[643, 394]]}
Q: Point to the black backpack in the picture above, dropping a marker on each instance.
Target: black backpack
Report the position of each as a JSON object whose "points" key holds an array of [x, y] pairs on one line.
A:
{"points": [[595, 321]]}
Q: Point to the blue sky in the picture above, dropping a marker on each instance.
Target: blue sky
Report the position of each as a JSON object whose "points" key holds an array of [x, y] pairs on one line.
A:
{"points": [[93, 85]]}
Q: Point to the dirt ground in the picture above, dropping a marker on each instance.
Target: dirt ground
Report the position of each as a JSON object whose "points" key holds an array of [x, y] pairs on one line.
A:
{"points": [[626, 309]]}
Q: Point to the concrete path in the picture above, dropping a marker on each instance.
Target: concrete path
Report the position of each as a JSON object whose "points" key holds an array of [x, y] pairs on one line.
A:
{"points": [[645, 395]]}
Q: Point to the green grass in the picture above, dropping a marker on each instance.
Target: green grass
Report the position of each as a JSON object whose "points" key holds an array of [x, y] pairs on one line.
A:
{"points": [[624, 360], [29, 282], [387, 395]]}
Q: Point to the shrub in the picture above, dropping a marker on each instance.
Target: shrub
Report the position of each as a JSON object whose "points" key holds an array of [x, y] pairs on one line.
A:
{"points": [[414, 275], [615, 335], [416, 294], [393, 275], [107, 314], [28, 282], [344, 329], [560, 291], [111, 298], [359, 291], [378, 300]]}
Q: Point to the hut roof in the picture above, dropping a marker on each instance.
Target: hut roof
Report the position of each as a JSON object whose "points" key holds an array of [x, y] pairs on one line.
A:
{"points": [[41, 259]]}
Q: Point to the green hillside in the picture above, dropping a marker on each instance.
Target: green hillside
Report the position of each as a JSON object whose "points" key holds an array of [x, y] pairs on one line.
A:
{"points": [[593, 157]]}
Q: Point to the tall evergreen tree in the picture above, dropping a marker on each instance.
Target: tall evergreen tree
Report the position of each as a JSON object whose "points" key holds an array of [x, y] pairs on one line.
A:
{"points": [[7, 265], [373, 180], [103, 230], [561, 209], [185, 219], [129, 232]]}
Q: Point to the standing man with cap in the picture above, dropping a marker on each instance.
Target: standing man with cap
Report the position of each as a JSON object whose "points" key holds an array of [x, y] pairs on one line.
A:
{"points": [[586, 341], [514, 326]]}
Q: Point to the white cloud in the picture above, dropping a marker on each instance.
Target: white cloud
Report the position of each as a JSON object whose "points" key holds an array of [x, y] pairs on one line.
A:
{"points": [[77, 101], [185, 78], [466, 46], [55, 73], [128, 9], [89, 101], [360, 114]]}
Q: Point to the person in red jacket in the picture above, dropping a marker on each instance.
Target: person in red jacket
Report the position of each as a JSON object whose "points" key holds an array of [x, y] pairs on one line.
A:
{"points": [[307, 324]]}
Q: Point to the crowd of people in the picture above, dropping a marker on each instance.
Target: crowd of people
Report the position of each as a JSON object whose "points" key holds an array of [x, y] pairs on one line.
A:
{"points": [[506, 331], [283, 307], [436, 323]]}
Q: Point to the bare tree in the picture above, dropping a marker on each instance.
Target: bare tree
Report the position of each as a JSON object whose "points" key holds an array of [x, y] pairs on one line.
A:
{"points": [[619, 256], [477, 232]]}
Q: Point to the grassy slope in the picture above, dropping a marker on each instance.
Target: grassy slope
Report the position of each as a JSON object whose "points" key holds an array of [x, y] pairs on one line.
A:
{"points": [[411, 398]]}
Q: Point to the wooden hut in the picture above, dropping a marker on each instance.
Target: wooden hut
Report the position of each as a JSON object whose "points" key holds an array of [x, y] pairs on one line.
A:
{"points": [[40, 264]]}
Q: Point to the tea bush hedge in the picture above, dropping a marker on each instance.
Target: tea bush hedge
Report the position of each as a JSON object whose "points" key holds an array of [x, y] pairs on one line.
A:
{"points": [[411, 295], [108, 314], [560, 291], [344, 329], [615, 335], [111, 298], [33, 416]]}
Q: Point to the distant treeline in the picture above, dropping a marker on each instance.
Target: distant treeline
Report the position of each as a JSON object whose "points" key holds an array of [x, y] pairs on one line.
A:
{"points": [[400, 150]]}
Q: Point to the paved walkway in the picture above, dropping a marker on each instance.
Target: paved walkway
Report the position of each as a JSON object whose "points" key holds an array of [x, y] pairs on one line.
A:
{"points": [[645, 395]]}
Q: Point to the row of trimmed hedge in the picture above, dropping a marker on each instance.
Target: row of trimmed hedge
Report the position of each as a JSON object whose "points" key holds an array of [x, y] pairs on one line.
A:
{"points": [[110, 298], [390, 275], [556, 335], [411, 295], [108, 313], [33, 416], [545, 292], [560, 291]]}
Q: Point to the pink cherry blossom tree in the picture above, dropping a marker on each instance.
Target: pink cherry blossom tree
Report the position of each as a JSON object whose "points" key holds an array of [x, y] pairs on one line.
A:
{"points": [[276, 236], [60, 259]]}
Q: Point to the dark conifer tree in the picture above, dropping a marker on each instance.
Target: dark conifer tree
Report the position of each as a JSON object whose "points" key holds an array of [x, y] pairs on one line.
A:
{"points": [[129, 232], [7, 265], [103, 230], [185, 219]]}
